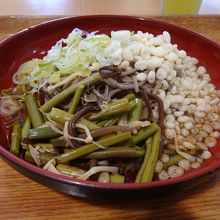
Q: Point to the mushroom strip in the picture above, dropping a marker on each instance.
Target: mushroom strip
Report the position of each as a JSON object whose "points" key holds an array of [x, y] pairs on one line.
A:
{"points": [[106, 91], [58, 143], [115, 84], [109, 71], [129, 72], [160, 108], [107, 130], [41, 96], [135, 82], [9, 106], [90, 98], [114, 92], [144, 95], [99, 95], [127, 79], [76, 117]]}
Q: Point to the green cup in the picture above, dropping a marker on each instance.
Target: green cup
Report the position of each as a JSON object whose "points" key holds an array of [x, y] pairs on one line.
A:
{"points": [[180, 7]]}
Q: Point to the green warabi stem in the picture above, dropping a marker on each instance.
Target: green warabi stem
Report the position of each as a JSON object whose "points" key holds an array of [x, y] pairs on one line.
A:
{"points": [[76, 99], [113, 108], [68, 170], [26, 128], [89, 148], [88, 81], [148, 151], [144, 133], [136, 111], [16, 138], [117, 152], [33, 111], [61, 117], [42, 133], [148, 172], [116, 178]]}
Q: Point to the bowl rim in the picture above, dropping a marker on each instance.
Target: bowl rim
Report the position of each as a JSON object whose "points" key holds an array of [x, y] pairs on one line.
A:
{"points": [[92, 184]]}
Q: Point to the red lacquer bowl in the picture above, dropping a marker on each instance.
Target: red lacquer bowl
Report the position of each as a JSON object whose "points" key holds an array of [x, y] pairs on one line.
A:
{"points": [[35, 41]]}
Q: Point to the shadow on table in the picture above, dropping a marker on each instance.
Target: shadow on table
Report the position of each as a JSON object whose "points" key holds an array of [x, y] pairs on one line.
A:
{"points": [[163, 206]]}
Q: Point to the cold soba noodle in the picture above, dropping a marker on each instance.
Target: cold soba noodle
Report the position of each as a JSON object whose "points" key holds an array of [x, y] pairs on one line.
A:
{"points": [[131, 107]]}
